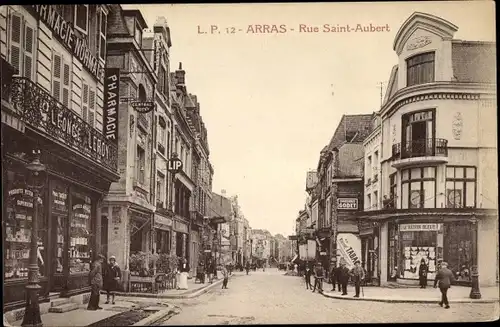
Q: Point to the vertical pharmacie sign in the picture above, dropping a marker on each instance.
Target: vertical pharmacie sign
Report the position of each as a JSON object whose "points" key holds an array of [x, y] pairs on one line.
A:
{"points": [[111, 103]]}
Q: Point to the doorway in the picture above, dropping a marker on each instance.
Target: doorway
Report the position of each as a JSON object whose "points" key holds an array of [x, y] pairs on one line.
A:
{"points": [[104, 235]]}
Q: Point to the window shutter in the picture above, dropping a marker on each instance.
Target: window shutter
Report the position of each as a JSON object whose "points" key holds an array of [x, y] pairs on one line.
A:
{"points": [[29, 49], [91, 106], [15, 41], [66, 84], [85, 102], [56, 76]]}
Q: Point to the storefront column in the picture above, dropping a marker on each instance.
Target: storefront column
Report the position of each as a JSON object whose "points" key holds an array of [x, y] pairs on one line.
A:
{"points": [[98, 226], [384, 248], [119, 235], [173, 248], [487, 259]]}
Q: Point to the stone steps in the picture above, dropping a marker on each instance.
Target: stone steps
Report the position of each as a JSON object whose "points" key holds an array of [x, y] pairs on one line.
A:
{"points": [[64, 307]]}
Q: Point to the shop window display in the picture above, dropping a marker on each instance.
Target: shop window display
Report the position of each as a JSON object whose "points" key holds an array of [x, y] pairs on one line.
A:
{"points": [[417, 242], [80, 241], [458, 249], [19, 215], [60, 218]]}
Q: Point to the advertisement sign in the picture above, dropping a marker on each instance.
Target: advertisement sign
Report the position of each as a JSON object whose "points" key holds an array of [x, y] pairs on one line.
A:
{"points": [[111, 103], [349, 248], [420, 227], [303, 251], [347, 203], [311, 249]]}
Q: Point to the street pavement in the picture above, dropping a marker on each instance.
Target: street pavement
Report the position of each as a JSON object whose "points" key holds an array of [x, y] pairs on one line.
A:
{"points": [[271, 298]]}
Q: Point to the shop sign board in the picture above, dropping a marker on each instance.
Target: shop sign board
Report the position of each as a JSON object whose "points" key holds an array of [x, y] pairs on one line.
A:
{"points": [[349, 248], [311, 249], [142, 107], [181, 227], [347, 203], [420, 227], [111, 103], [162, 222]]}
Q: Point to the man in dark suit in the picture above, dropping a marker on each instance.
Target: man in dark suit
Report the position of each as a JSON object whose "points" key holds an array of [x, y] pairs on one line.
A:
{"points": [[444, 277], [344, 277]]}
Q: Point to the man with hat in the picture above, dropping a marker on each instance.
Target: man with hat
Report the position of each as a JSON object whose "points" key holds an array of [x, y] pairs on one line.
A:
{"points": [[358, 275], [96, 282], [112, 276], [444, 277], [332, 274]]}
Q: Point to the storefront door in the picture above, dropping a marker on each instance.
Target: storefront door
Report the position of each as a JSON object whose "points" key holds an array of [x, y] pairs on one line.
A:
{"points": [[58, 234]]}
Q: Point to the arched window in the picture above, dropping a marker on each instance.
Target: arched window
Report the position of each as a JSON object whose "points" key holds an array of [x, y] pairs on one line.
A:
{"points": [[142, 93]]}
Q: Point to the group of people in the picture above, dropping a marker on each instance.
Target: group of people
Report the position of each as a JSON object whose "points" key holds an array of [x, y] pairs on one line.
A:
{"points": [[107, 277], [337, 276], [211, 269]]}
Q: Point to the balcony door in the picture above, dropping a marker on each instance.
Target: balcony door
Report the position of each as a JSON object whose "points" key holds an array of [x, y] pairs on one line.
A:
{"points": [[418, 134]]}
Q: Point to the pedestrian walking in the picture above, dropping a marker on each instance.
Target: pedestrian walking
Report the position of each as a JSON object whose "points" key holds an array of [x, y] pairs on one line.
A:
{"points": [[319, 274], [444, 278], [307, 276], [112, 277], [96, 283], [200, 273], [225, 274], [344, 277], [423, 269], [247, 267], [358, 275]]}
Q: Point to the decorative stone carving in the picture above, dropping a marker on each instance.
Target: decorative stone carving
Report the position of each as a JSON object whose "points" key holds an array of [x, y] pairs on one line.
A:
{"points": [[457, 126], [418, 42]]}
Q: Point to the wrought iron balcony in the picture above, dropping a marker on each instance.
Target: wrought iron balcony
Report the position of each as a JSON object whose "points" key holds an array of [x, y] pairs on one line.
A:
{"points": [[39, 110], [420, 148]]}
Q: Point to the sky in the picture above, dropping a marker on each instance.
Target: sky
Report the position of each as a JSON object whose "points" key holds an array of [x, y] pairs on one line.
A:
{"points": [[271, 101]]}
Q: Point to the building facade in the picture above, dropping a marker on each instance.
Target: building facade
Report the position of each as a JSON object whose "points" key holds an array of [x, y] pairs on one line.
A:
{"points": [[53, 93], [440, 180]]}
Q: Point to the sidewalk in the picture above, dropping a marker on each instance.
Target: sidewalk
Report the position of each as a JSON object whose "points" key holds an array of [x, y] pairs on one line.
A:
{"points": [[194, 289], [456, 294]]}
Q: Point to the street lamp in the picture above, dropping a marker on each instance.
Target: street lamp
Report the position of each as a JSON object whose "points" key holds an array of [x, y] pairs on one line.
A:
{"points": [[475, 293], [32, 312]]}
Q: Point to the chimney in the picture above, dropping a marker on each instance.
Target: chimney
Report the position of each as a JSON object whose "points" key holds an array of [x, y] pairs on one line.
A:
{"points": [[181, 75], [223, 193]]}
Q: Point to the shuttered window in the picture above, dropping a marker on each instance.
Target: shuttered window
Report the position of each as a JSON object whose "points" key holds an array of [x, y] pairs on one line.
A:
{"points": [[29, 50], [22, 46], [66, 83], [56, 75], [16, 25], [91, 106], [85, 101]]}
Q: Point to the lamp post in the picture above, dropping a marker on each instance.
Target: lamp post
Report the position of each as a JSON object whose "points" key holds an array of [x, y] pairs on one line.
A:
{"points": [[475, 293], [32, 312]]}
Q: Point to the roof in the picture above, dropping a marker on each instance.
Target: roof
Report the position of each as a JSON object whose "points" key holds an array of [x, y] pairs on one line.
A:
{"points": [[220, 207], [138, 15], [357, 126], [474, 61]]}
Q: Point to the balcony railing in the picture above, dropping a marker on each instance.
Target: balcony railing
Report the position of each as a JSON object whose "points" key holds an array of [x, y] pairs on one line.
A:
{"points": [[38, 109], [420, 148]]}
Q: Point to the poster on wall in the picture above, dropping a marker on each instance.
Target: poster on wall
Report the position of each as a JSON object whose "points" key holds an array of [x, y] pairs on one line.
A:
{"points": [[349, 248]]}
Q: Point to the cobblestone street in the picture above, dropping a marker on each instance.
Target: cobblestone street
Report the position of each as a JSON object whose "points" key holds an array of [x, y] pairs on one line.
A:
{"points": [[269, 297]]}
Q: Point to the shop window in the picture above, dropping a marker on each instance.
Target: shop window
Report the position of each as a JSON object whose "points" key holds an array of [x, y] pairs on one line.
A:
{"points": [[418, 188], [461, 187], [162, 241], [457, 251], [135, 237], [19, 213], [22, 44], [60, 214], [82, 18], [420, 69], [417, 242], [80, 248]]}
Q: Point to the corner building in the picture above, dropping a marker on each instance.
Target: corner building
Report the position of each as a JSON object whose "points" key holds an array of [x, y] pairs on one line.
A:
{"points": [[53, 59], [438, 156]]}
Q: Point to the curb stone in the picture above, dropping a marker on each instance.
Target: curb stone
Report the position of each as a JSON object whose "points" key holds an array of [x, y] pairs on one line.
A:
{"points": [[160, 315], [350, 298]]}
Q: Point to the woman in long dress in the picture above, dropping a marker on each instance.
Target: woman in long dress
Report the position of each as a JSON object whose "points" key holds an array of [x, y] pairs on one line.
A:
{"points": [[184, 273]]}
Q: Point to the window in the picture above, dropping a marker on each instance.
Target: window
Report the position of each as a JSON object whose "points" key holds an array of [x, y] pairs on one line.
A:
{"points": [[61, 78], [161, 135], [88, 103], [418, 134], [141, 163], [163, 81], [369, 167], [393, 191], [22, 46], [101, 36], [420, 69], [369, 201], [375, 200], [328, 210], [418, 188], [460, 187], [82, 18], [160, 185]]}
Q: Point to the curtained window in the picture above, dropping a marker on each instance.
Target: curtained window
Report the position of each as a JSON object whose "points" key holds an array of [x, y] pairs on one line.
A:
{"points": [[420, 69]]}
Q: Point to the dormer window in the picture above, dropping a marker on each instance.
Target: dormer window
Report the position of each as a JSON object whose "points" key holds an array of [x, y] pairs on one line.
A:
{"points": [[82, 18], [138, 34], [420, 69]]}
